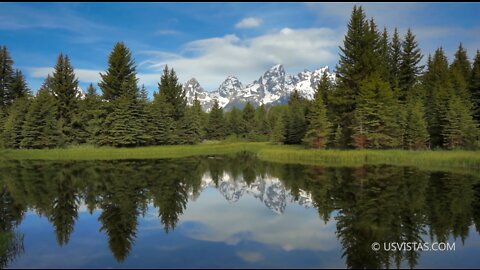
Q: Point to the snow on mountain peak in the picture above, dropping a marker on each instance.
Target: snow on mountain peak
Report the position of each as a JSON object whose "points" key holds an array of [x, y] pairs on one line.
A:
{"points": [[273, 87]]}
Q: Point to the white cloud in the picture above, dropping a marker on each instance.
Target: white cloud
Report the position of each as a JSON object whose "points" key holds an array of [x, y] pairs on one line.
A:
{"points": [[212, 60], [249, 22], [93, 76]]}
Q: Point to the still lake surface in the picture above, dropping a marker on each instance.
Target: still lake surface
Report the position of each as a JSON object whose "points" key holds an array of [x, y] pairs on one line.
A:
{"points": [[232, 211]]}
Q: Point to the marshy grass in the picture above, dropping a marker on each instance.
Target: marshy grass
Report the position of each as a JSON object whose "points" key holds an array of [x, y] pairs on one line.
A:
{"points": [[460, 161]]}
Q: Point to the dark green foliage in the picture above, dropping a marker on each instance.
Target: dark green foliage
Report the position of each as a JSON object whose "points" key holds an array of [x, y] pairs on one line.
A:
{"points": [[172, 92], [263, 126], [191, 129], [13, 123], [319, 127], [41, 128], [416, 133], [475, 87], [461, 130], [234, 122], [439, 91], [161, 125], [19, 87], [409, 68], [120, 78], [6, 77], [460, 72], [249, 124], [215, 129], [296, 124], [395, 54], [90, 114], [375, 116], [64, 87], [278, 131]]}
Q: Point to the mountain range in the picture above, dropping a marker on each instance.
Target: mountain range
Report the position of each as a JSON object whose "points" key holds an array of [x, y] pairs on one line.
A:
{"points": [[273, 87]]}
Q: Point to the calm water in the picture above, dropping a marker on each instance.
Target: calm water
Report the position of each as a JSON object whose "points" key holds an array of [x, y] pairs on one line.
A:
{"points": [[232, 212]]}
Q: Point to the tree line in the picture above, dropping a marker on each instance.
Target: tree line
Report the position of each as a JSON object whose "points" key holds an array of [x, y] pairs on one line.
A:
{"points": [[382, 98]]}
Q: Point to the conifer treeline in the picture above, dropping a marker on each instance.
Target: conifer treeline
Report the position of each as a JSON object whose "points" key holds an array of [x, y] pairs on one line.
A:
{"points": [[382, 98]]}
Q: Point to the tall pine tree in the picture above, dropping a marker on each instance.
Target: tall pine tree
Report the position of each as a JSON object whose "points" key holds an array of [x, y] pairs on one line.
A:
{"points": [[409, 69], [6, 77], [475, 87], [215, 129]]}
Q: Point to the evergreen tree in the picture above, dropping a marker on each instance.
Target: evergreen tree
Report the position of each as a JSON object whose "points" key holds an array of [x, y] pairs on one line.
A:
{"points": [[173, 93], [120, 78], [6, 77], [14, 122], [162, 128], [41, 128], [234, 122], [91, 113], [263, 126], [475, 87], [248, 122], [416, 128], [460, 130], [375, 116], [19, 87], [191, 129], [296, 124], [460, 72], [278, 132], [337, 139], [395, 54], [352, 68], [64, 86], [409, 65], [439, 90], [319, 127], [216, 124]]}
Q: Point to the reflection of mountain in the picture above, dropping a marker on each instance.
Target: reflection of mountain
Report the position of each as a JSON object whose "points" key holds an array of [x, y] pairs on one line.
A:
{"points": [[269, 190]]}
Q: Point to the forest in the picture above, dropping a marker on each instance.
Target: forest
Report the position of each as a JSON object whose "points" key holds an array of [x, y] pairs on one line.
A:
{"points": [[382, 98]]}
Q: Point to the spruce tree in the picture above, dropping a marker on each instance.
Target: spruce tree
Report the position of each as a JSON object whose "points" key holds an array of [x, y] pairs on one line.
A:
{"points": [[19, 87], [375, 117], [120, 78], [41, 128], [248, 122], [319, 127], [6, 77], [461, 130], [215, 129], [277, 135], [91, 113], [14, 123], [162, 125], [354, 65], [416, 134], [439, 90], [395, 53], [409, 65], [460, 72], [64, 86], [191, 129], [296, 124], [475, 87], [263, 126], [173, 93], [234, 125]]}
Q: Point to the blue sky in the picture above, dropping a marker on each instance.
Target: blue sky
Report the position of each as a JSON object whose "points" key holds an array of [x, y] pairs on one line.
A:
{"points": [[210, 41]]}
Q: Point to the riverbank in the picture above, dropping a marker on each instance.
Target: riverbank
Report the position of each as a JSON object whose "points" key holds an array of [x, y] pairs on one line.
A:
{"points": [[436, 160]]}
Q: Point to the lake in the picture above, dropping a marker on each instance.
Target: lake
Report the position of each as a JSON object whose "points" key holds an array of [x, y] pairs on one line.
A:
{"points": [[234, 211]]}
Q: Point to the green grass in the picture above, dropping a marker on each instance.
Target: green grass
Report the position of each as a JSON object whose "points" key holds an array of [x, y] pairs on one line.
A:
{"points": [[434, 160]]}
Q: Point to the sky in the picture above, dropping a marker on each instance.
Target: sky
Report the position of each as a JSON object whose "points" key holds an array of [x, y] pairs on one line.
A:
{"points": [[210, 41]]}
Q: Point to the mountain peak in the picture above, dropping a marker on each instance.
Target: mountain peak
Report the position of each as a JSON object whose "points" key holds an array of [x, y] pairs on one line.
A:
{"points": [[229, 86]]}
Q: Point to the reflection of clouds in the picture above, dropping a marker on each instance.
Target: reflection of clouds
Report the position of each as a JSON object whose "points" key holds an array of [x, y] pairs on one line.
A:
{"points": [[247, 220]]}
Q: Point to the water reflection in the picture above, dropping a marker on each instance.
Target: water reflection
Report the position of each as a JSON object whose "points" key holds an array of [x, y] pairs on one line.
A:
{"points": [[364, 205]]}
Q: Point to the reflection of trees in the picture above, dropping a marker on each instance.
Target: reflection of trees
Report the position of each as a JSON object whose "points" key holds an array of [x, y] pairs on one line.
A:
{"points": [[11, 241], [370, 204]]}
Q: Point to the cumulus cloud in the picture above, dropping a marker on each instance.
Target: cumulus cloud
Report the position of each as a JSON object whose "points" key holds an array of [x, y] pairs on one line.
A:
{"points": [[211, 60], [249, 22]]}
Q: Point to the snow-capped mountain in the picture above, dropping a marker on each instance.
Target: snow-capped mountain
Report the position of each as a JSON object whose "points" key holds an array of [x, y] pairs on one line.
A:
{"points": [[269, 190], [273, 87]]}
